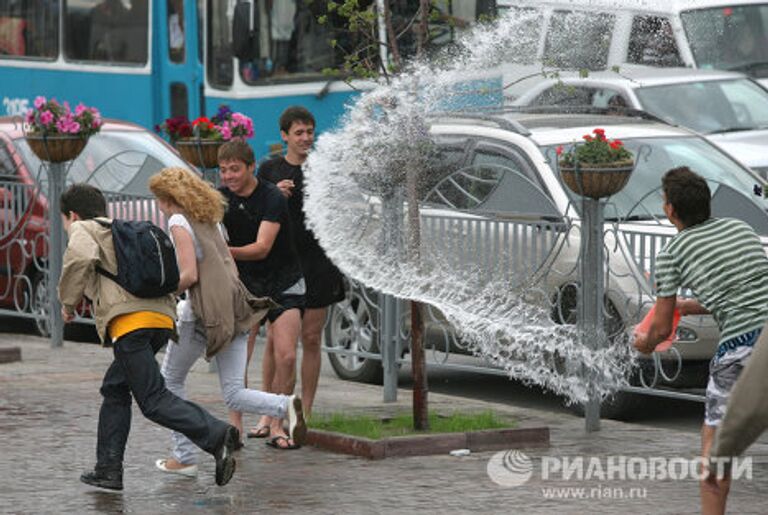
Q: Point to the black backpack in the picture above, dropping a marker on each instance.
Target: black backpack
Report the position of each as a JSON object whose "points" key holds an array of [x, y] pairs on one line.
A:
{"points": [[146, 260]]}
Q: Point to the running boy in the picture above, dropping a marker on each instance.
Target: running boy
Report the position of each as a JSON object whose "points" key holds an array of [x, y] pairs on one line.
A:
{"points": [[138, 328]]}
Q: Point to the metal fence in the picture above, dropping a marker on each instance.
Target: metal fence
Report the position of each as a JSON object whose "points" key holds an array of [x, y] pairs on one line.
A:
{"points": [[25, 240], [372, 327]]}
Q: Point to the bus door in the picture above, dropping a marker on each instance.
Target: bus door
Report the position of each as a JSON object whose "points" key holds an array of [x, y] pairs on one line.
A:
{"points": [[178, 65]]}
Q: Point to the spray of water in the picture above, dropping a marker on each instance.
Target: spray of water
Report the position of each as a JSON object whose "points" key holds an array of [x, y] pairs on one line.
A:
{"points": [[357, 204]]}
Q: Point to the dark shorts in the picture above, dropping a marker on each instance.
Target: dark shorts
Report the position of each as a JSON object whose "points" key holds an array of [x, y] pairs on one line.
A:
{"points": [[286, 302], [325, 283]]}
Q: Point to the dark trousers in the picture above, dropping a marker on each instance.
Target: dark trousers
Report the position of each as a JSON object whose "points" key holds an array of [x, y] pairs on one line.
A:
{"points": [[136, 372]]}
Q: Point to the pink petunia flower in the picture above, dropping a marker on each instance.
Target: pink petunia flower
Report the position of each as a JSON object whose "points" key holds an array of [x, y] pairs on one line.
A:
{"points": [[46, 118]]}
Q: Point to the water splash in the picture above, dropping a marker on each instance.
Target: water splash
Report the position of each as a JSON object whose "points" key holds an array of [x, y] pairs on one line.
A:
{"points": [[357, 185]]}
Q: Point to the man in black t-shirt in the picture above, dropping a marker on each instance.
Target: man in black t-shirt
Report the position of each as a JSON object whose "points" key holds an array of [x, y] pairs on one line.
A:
{"points": [[325, 284], [261, 242]]}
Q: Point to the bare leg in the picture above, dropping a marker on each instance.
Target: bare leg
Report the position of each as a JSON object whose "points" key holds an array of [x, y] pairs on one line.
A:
{"points": [[267, 370], [285, 336], [714, 494], [311, 336]]}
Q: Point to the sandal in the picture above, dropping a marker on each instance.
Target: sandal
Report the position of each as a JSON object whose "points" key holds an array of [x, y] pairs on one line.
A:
{"points": [[273, 442], [259, 432]]}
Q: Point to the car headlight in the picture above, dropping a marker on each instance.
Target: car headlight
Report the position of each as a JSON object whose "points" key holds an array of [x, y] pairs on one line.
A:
{"points": [[685, 334]]}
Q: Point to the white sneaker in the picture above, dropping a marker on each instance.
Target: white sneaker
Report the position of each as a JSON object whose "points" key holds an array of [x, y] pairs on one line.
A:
{"points": [[297, 427], [188, 471]]}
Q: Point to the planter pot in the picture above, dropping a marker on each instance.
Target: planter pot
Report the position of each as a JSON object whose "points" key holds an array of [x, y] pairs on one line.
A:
{"points": [[199, 152], [56, 149], [597, 181]]}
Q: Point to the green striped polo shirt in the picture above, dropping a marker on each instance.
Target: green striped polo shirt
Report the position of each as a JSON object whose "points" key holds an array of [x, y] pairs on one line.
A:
{"points": [[722, 261]]}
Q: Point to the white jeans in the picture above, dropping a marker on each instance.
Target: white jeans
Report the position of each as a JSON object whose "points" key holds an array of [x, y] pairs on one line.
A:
{"points": [[230, 362]]}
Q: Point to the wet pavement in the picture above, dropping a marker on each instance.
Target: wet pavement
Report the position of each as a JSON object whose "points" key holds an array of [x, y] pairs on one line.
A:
{"points": [[49, 405]]}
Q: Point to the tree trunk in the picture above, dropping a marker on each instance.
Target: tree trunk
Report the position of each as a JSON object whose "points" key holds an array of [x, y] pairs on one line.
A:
{"points": [[418, 363]]}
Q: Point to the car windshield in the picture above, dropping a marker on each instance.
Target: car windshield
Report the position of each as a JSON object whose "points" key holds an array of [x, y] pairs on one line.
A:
{"points": [[709, 106], [113, 161], [729, 38], [642, 199]]}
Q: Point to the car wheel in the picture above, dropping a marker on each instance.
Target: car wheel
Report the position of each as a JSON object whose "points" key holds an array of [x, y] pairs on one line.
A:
{"points": [[620, 405], [352, 326], [40, 305]]}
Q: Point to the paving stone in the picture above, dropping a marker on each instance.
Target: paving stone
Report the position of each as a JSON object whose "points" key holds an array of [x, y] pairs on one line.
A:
{"points": [[49, 407]]}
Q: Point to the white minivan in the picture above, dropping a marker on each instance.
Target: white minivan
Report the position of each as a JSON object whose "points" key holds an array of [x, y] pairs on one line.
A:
{"points": [[708, 34]]}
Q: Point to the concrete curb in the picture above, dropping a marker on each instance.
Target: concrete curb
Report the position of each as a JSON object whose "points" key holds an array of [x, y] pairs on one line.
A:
{"points": [[475, 441], [10, 354]]}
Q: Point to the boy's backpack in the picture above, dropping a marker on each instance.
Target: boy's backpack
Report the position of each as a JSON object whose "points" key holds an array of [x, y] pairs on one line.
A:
{"points": [[146, 260]]}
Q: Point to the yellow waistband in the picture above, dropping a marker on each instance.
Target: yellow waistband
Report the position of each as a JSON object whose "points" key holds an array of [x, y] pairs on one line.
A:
{"points": [[124, 324]]}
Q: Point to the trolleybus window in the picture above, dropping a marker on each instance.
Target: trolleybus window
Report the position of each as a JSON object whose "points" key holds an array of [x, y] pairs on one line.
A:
{"points": [[220, 67], [113, 31], [176, 30], [292, 44], [29, 29]]}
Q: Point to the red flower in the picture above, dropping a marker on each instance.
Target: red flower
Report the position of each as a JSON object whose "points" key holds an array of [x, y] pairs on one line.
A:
{"points": [[587, 137], [203, 121], [600, 133], [615, 144], [559, 150]]}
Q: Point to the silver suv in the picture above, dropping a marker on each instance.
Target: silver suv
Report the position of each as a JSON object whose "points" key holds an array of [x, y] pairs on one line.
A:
{"points": [[501, 208]]}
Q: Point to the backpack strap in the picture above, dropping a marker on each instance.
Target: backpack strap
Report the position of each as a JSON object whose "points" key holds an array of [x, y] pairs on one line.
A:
{"points": [[108, 225]]}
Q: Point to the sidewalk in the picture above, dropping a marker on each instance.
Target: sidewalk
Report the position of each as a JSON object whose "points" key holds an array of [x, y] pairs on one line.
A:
{"points": [[49, 405]]}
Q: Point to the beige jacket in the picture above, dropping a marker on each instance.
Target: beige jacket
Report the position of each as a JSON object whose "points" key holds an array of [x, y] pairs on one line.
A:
{"points": [[90, 244], [219, 299]]}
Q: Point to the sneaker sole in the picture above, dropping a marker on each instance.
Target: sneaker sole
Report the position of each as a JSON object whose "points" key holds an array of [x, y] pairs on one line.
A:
{"points": [[225, 465], [115, 488], [297, 427]]}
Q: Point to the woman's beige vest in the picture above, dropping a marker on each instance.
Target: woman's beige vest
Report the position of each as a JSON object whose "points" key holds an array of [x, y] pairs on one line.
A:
{"points": [[219, 299]]}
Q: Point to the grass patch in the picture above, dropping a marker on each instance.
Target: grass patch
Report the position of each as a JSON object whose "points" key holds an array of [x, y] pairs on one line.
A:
{"points": [[375, 428]]}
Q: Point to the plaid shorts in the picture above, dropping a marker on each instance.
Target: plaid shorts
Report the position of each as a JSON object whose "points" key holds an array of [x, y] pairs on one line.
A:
{"points": [[724, 369]]}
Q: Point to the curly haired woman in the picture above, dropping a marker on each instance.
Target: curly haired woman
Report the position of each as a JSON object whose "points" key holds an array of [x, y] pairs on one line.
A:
{"points": [[217, 313]]}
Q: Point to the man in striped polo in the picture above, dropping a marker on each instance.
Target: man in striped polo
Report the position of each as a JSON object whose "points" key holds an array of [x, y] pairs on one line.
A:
{"points": [[723, 262]]}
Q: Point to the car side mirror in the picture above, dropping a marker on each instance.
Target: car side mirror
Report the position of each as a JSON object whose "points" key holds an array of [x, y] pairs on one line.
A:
{"points": [[245, 43]]}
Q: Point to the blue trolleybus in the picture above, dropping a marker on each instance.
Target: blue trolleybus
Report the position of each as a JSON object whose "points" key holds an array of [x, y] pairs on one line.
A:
{"points": [[146, 60]]}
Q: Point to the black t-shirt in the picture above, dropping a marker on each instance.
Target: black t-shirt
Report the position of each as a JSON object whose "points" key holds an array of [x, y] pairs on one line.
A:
{"points": [[281, 268], [276, 170]]}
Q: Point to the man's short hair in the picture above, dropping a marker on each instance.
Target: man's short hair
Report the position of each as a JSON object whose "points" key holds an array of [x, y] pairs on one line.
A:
{"points": [[689, 195], [295, 114], [85, 200], [236, 150]]}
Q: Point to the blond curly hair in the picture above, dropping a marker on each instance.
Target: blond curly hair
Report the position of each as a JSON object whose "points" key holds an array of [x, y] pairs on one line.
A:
{"points": [[200, 200]]}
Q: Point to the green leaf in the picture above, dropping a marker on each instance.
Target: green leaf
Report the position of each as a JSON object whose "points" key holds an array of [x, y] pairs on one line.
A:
{"points": [[583, 73]]}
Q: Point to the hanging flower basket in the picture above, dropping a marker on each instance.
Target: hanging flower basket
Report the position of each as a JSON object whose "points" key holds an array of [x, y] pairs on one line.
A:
{"points": [[597, 168], [56, 149], [198, 141], [597, 180], [199, 152], [56, 133]]}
